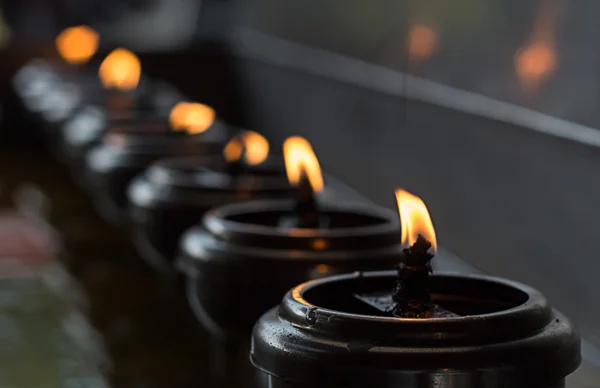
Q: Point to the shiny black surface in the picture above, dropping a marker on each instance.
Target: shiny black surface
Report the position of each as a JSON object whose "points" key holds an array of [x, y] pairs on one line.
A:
{"points": [[240, 249], [321, 333], [174, 193], [152, 337]]}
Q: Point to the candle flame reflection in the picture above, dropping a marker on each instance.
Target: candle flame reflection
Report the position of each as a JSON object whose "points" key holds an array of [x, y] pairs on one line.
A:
{"points": [[319, 245], [301, 161], [76, 45], [253, 146], [535, 62], [422, 42], [414, 219], [192, 117], [121, 69]]}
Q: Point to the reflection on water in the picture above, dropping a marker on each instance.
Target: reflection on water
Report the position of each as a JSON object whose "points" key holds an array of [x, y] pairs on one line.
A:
{"points": [[538, 60], [422, 42]]}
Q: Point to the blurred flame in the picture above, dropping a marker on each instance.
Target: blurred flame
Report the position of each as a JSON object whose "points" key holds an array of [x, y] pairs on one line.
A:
{"points": [[254, 146], [76, 45], [535, 62], [538, 59], [300, 160], [192, 117], [422, 42], [121, 69], [233, 150], [177, 116], [319, 245], [322, 269], [414, 219]]}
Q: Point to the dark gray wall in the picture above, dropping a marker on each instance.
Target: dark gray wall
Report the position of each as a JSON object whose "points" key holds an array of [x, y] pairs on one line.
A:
{"points": [[477, 41], [513, 200]]}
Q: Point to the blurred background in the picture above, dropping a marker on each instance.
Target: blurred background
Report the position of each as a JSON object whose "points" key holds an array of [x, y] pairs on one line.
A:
{"points": [[485, 108]]}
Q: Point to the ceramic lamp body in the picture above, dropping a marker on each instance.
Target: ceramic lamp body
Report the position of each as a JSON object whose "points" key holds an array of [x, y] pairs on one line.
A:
{"points": [[113, 164], [75, 110], [507, 336], [238, 263], [154, 97], [32, 85], [55, 92], [173, 195]]}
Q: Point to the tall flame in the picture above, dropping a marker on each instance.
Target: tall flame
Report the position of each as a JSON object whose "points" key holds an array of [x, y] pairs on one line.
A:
{"points": [[300, 160], [191, 117], [76, 45], [121, 69], [253, 145], [414, 219]]}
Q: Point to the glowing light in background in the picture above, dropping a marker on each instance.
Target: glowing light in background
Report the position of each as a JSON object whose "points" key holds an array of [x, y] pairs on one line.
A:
{"points": [[192, 117], [77, 45], [422, 42], [535, 62], [253, 146], [121, 69]]}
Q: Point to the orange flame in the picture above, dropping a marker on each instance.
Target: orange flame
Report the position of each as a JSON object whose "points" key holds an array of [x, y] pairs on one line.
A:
{"points": [[76, 45], [253, 145], [535, 62], [300, 160], [192, 117], [121, 69], [422, 42], [414, 219]]}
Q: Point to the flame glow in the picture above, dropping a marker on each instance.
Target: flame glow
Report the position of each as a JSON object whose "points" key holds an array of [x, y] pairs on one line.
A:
{"points": [[191, 117], [535, 62], [414, 219], [76, 45], [422, 42], [538, 59], [121, 69], [300, 160], [253, 145]]}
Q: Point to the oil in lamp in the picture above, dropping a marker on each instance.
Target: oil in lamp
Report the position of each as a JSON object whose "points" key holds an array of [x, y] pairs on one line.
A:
{"points": [[126, 151], [173, 194], [244, 256], [408, 328]]}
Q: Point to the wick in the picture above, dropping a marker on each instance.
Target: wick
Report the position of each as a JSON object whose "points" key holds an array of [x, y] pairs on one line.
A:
{"points": [[412, 293], [236, 168], [306, 209]]}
